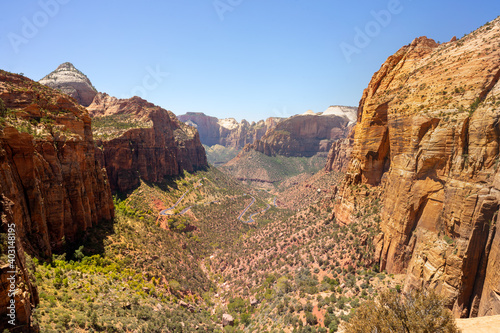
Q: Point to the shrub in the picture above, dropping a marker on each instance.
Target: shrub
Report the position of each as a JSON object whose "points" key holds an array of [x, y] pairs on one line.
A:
{"points": [[417, 311]]}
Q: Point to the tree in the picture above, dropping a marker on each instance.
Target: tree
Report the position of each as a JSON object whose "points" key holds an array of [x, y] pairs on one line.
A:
{"points": [[413, 312], [311, 319]]}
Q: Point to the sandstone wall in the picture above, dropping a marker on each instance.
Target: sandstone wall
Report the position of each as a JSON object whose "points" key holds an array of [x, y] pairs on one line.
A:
{"points": [[165, 147], [228, 132], [428, 135], [303, 135], [51, 184]]}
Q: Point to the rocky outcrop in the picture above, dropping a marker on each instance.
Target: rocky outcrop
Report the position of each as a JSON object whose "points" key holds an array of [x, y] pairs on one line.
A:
{"points": [[227, 132], [138, 140], [302, 135], [340, 154], [428, 137], [227, 320], [51, 185], [349, 112], [72, 82]]}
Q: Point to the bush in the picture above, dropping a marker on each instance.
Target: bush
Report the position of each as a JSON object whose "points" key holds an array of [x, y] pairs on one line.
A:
{"points": [[417, 311], [311, 319]]}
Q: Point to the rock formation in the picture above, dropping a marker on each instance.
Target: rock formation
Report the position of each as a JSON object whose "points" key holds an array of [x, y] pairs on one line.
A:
{"points": [[72, 82], [348, 112], [26, 294], [227, 132], [51, 184], [340, 154], [138, 140], [428, 137], [302, 135]]}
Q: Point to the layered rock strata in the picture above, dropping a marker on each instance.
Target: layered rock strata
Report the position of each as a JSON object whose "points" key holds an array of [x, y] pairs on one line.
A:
{"points": [[228, 132], [428, 137], [302, 136], [48, 167], [340, 154], [72, 82], [51, 185], [138, 140]]}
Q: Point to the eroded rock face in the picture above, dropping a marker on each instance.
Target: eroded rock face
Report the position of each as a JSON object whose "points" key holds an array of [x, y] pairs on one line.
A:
{"points": [[51, 185], [48, 166], [26, 294], [72, 82], [303, 135], [428, 136], [227, 132], [340, 154], [138, 140]]}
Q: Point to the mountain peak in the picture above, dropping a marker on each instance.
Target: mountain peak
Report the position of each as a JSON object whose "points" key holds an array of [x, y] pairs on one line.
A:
{"points": [[68, 79], [66, 66]]}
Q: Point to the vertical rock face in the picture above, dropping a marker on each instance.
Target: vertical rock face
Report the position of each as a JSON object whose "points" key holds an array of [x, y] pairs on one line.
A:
{"points": [[138, 140], [428, 136], [26, 297], [227, 132], [303, 135], [52, 186], [340, 154], [48, 166], [72, 82]]}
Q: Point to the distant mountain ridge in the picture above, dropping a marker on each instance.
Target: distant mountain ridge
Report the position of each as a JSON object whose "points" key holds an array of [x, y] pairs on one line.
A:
{"points": [[303, 135], [228, 132]]}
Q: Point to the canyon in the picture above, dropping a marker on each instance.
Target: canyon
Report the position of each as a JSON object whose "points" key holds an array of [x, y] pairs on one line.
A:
{"points": [[407, 199]]}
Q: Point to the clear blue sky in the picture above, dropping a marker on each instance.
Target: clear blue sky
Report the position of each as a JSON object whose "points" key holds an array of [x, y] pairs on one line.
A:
{"points": [[249, 59]]}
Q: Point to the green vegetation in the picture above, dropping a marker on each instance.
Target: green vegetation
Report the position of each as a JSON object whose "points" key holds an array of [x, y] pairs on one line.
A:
{"points": [[273, 169], [416, 312], [219, 155], [474, 106], [109, 127]]}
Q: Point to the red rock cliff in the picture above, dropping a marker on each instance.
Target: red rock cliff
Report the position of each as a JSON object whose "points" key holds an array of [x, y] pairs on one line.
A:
{"points": [[138, 140], [228, 132], [428, 136], [52, 186], [302, 135]]}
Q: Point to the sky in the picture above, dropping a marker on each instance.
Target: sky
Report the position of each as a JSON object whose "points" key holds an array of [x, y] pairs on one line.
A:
{"points": [[245, 59]]}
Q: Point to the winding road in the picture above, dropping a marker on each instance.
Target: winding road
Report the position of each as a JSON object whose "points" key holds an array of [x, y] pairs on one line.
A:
{"points": [[251, 220], [240, 217], [164, 212]]}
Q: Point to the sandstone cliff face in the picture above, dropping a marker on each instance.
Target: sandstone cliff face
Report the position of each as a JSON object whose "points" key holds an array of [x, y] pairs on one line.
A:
{"points": [[26, 294], [303, 135], [227, 132], [52, 186], [48, 166], [428, 137], [72, 82], [340, 154], [138, 140]]}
